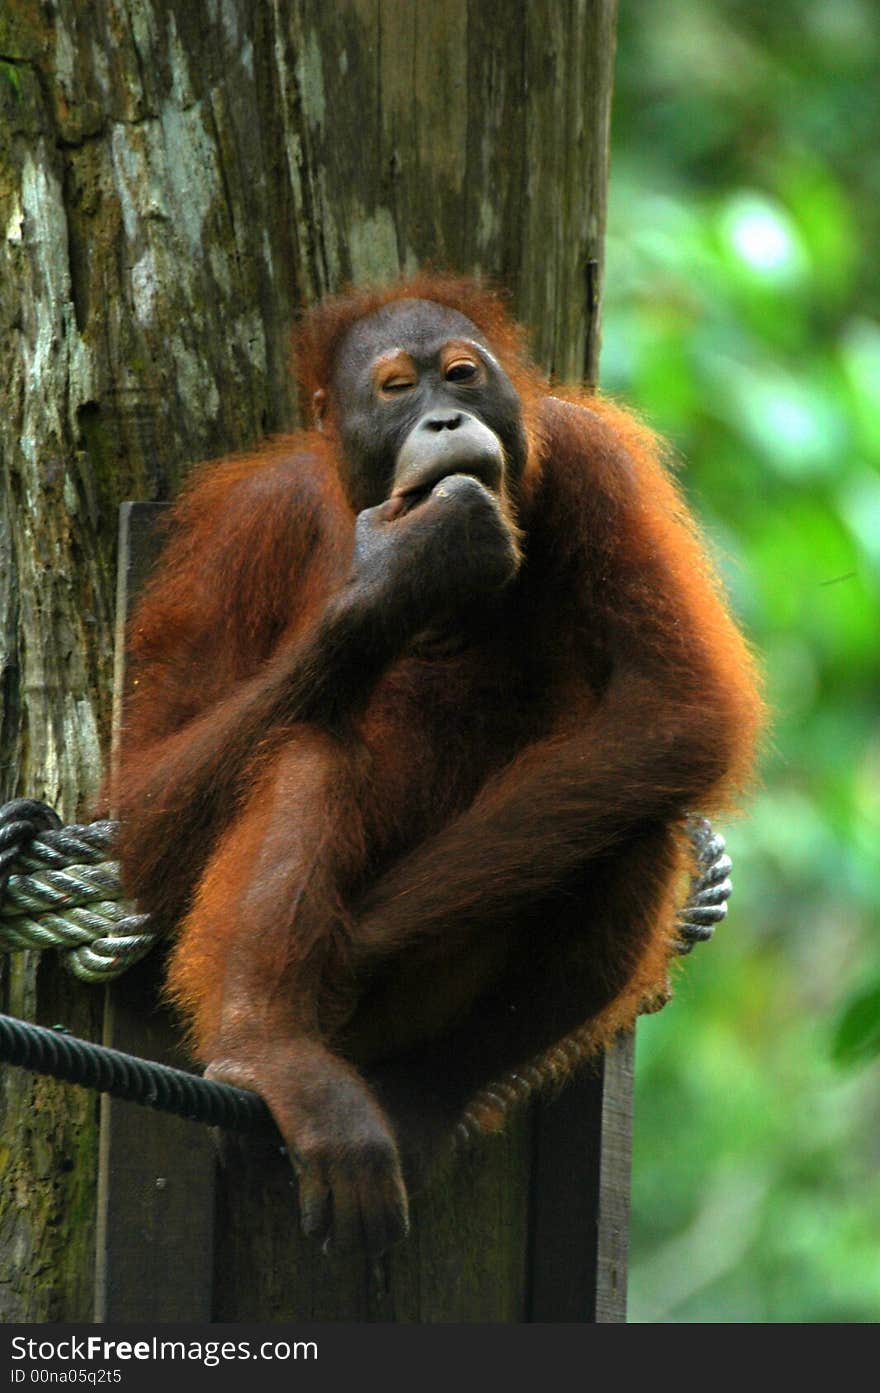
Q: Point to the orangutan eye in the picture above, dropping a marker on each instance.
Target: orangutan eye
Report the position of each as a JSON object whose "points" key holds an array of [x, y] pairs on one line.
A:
{"points": [[462, 370], [398, 384]]}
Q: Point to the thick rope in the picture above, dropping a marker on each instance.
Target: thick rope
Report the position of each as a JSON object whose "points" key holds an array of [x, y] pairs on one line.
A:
{"points": [[710, 889], [60, 889], [158, 1086]]}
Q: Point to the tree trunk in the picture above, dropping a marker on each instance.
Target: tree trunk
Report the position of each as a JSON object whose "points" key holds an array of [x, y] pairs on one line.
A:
{"points": [[175, 180]]}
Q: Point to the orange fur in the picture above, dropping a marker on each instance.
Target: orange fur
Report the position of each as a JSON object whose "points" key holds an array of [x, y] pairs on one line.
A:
{"points": [[495, 827]]}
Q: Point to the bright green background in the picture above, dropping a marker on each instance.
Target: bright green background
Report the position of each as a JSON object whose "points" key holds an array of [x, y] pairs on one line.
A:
{"points": [[742, 318]]}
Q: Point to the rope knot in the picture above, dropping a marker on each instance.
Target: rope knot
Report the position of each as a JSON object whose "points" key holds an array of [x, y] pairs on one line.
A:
{"points": [[20, 822], [59, 888]]}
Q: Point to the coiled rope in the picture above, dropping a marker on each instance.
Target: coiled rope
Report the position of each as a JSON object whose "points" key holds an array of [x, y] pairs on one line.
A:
{"points": [[710, 889], [60, 888]]}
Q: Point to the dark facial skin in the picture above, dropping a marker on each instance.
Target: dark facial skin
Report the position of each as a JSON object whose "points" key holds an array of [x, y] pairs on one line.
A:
{"points": [[433, 449], [418, 394]]}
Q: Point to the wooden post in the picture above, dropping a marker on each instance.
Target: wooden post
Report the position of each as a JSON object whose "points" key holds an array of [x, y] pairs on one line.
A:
{"points": [[580, 1186], [155, 1171]]}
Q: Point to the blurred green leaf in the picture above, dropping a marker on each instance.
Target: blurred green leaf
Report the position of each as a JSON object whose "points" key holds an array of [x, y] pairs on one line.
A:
{"points": [[825, 223], [860, 354], [857, 1037]]}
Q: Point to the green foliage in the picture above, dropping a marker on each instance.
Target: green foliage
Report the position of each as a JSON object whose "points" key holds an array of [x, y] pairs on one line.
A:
{"points": [[742, 318], [858, 1032]]}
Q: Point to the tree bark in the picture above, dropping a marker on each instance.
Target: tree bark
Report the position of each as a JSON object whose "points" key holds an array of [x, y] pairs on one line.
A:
{"points": [[175, 180]]}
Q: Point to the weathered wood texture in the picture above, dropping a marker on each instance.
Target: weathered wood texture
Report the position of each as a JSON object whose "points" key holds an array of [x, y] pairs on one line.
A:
{"points": [[155, 1219], [580, 1188], [175, 179], [465, 1260]]}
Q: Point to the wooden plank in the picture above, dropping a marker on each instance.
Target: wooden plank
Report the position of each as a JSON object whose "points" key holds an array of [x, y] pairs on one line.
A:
{"points": [[156, 1172], [464, 1260], [580, 1180], [528, 1227]]}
